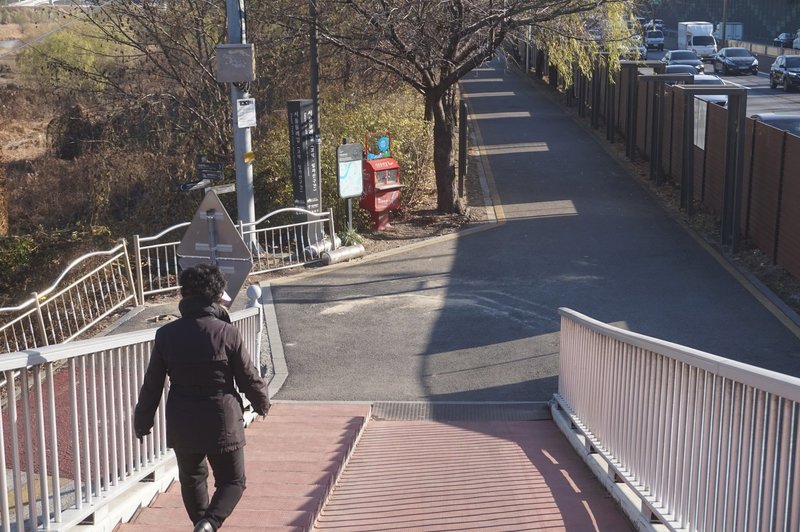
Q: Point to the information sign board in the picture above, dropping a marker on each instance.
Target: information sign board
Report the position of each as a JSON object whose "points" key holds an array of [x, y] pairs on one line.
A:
{"points": [[303, 148], [350, 163]]}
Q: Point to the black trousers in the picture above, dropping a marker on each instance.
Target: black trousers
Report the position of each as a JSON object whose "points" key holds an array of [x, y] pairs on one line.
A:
{"points": [[229, 482]]}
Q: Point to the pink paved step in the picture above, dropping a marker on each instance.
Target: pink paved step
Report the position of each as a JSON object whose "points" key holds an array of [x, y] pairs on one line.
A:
{"points": [[292, 460], [130, 527], [493, 476]]}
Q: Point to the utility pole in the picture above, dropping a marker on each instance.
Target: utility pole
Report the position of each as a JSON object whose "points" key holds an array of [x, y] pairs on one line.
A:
{"points": [[312, 15], [724, 22], [241, 135]]}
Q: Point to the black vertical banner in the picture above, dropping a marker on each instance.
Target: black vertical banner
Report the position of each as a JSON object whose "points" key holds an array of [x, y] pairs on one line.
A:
{"points": [[303, 146]]}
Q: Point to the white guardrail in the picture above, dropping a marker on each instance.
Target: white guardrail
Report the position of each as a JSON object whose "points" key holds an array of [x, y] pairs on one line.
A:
{"points": [[701, 442], [103, 285], [272, 248], [290, 245], [66, 431], [58, 315]]}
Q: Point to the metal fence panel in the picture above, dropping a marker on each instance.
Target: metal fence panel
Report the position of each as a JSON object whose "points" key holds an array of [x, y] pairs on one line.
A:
{"points": [[623, 89], [768, 147], [66, 431], [289, 245], [698, 162], [643, 116], [789, 236], [714, 174], [678, 132], [747, 174], [62, 313], [90, 289], [156, 261], [667, 132], [707, 443]]}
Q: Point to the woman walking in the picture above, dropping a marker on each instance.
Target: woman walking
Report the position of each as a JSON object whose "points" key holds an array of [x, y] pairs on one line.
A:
{"points": [[204, 356]]}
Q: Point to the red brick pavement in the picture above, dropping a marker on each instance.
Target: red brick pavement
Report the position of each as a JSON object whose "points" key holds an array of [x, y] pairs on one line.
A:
{"points": [[292, 459], [404, 476], [492, 476]]}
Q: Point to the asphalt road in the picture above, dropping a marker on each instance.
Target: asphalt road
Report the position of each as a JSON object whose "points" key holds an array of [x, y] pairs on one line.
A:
{"points": [[474, 318], [760, 97]]}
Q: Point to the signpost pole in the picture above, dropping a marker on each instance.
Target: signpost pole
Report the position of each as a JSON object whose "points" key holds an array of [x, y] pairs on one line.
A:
{"points": [[349, 214], [212, 236], [241, 136]]}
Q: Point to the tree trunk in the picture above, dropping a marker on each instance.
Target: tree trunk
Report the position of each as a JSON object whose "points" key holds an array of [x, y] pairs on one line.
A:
{"points": [[3, 200], [443, 110]]}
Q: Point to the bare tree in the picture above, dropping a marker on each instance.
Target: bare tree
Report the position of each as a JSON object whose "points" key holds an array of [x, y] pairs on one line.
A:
{"points": [[3, 201], [162, 57], [432, 44]]}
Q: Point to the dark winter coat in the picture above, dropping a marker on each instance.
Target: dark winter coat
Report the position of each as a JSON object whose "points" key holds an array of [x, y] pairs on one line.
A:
{"points": [[203, 355]]}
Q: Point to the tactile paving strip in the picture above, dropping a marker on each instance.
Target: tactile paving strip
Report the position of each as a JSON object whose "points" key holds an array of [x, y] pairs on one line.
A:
{"points": [[451, 411]]}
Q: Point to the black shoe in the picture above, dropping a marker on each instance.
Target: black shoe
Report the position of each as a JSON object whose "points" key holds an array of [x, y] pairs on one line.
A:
{"points": [[204, 525]]}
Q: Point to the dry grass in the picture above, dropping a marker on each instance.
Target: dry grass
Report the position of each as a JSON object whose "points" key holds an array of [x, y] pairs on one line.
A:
{"points": [[11, 31]]}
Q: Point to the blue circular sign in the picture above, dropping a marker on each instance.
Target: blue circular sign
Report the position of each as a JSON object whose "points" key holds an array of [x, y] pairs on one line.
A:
{"points": [[383, 143]]}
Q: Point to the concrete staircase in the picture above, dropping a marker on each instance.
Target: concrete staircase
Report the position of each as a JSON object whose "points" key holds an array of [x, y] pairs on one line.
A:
{"points": [[293, 459]]}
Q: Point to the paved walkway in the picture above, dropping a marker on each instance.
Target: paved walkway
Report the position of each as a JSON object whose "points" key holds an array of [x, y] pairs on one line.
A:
{"points": [[403, 475], [500, 475], [292, 459], [472, 320]]}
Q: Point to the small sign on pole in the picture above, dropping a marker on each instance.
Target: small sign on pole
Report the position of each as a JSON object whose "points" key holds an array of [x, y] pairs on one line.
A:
{"points": [[350, 168], [246, 112], [194, 185], [207, 170], [223, 189]]}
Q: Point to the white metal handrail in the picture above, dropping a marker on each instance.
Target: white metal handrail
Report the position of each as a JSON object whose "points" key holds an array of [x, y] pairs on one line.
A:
{"points": [[158, 260], [59, 315], [707, 443], [290, 245], [49, 318], [69, 429]]}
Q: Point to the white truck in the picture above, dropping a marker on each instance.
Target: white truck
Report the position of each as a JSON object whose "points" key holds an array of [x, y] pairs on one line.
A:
{"points": [[733, 31], [697, 37]]}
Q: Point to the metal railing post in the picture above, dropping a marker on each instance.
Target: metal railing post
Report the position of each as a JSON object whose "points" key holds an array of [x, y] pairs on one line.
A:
{"points": [[139, 286], [136, 298], [4, 504], [14, 435], [40, 319], [53, 445], [333, 231], [33, 514]]}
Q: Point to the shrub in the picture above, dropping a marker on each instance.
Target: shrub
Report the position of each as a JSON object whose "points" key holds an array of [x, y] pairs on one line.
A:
{"points": [[400, 113], [129, 192], [66, 57], [31, 262]]}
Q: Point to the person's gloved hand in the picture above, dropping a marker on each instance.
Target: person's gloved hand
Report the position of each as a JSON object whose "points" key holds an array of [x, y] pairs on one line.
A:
{"points": [[141, 433]]}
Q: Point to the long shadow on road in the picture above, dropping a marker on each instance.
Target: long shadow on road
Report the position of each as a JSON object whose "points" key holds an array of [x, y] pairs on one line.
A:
{"points": [[475, 317]]}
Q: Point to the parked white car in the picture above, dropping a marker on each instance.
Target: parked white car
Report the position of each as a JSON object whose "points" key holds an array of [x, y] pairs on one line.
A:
{"points": [[654, 39]]}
